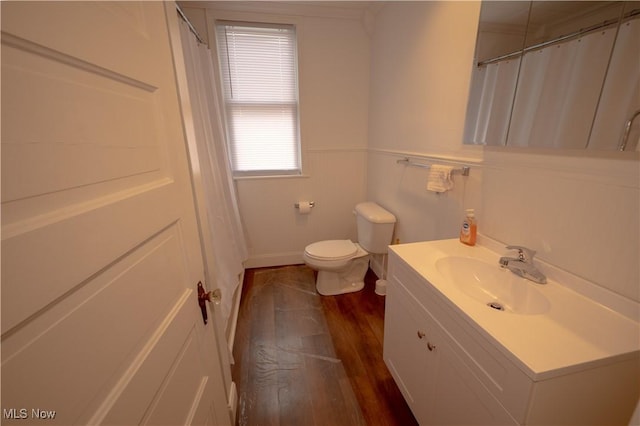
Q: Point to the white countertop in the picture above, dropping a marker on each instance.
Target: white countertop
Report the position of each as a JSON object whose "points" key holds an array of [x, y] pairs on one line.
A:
{"points": [[575, 333]]}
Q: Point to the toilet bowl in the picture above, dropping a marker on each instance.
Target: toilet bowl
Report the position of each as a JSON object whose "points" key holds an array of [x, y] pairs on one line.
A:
{"points": [[341, 266]]}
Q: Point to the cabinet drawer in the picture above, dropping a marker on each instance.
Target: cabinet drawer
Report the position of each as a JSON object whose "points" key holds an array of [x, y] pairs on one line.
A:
{"points": [[506, 382]]}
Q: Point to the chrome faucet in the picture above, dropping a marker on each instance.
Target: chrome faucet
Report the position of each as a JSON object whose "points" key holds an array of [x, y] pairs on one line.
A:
{"points": [[523, 264]]}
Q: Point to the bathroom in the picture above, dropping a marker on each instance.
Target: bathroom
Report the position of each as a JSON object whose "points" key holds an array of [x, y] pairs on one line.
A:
{"points": [[382, 82], [379, 82]]}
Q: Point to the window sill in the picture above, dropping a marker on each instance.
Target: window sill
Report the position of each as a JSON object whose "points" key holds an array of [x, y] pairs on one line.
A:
{"points": [[303, 175]]}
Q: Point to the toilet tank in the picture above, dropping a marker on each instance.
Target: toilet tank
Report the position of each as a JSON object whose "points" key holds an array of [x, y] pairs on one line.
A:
{"points": [[375, 227]]}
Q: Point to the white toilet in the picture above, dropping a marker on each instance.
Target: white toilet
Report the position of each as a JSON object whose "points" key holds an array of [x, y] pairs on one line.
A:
{"points": [[342, 264]]}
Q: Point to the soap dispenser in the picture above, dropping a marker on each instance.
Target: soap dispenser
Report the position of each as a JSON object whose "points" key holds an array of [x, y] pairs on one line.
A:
{"points": [[469, 228]]}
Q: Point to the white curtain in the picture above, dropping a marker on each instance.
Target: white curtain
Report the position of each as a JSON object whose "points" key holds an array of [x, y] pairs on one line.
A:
{"points": [[491, 100], [558, 90], [228, 241], [621, 93]]}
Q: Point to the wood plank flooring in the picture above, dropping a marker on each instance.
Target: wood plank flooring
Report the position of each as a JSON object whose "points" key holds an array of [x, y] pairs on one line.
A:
{"points": [[306, 359]]}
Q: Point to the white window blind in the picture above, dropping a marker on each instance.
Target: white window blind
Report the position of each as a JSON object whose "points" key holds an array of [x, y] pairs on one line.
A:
{"points": [[259, 75]]}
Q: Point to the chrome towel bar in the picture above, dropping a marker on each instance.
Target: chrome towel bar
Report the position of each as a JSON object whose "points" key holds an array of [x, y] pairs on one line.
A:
{"points": [[464, 170]]}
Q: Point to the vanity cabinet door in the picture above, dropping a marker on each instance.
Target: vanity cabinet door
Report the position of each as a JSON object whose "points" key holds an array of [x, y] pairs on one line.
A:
{"points": [[405, 351], [459, 397]]}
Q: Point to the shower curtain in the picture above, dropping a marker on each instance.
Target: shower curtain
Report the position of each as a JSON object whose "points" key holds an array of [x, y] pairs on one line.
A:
{"points": [[228, 241], [492, 94], [621, 93], [558, 90], [560, 93]]}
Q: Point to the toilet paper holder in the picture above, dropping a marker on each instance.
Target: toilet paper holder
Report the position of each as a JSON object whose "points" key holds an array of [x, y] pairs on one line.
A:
{"points": [[311, 204]]}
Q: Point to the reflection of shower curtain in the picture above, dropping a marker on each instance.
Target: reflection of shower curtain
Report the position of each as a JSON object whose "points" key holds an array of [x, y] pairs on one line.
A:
{"points": [[621, 94], [558, 91], [228, 243], [493, 88]]}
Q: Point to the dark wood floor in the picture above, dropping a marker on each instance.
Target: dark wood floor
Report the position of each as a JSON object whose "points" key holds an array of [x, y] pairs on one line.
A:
{"points": [[306, 359]]}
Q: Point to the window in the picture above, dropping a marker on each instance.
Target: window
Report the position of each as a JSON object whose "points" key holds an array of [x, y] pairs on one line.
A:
{"points": [[260, 85]]}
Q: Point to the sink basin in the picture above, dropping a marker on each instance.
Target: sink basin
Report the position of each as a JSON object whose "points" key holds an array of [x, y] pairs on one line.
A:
{"points": [[493, 286]]}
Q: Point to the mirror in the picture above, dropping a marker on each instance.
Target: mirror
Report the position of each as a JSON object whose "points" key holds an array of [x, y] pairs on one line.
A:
{"points": [[501, 36], [556, 74]]}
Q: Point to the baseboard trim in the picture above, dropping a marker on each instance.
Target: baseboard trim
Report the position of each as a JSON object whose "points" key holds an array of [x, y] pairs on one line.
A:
{"points": [[232, 322], [377, 262], [377, 265], [233, 402], [276, 259]]}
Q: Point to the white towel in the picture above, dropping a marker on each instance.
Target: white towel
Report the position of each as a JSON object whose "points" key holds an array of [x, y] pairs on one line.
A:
{"points": [[439, 179]]}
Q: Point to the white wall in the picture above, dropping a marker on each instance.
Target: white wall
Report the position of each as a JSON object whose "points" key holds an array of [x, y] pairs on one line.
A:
{"points": [[421, 58], [333, 63], [362, 111], [581, 213]]}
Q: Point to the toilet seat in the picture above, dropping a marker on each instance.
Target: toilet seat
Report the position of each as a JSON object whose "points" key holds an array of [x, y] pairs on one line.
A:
{"points": [[331, 250], [341, 266]]}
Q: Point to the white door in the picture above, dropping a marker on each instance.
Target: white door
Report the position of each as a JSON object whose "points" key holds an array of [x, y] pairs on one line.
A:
{"points": [[100, 249]]}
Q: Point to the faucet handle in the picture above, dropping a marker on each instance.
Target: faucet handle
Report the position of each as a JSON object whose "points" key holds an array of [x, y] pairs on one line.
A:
{"points": [[524, 254]]}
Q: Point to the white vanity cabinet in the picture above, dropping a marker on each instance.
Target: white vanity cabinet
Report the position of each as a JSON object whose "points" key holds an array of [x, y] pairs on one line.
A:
{"points": [[436, 382], [452, 370]]}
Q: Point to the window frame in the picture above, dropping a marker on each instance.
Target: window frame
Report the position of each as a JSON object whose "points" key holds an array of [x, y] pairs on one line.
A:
{"points": [[226, 105]]}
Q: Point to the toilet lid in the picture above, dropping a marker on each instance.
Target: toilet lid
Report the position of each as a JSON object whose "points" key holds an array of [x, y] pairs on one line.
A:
{"points": [[332, 249]]}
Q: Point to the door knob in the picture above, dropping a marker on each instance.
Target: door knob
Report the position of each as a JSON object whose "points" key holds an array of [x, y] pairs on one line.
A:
{"points": [[214, 296]]}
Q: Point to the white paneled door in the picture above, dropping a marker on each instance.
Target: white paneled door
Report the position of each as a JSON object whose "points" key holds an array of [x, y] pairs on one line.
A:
{"points": [[100, 249]]}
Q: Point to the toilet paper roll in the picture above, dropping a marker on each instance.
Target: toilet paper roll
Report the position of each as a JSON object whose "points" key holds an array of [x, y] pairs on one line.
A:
{"points": [[304, 207]]}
